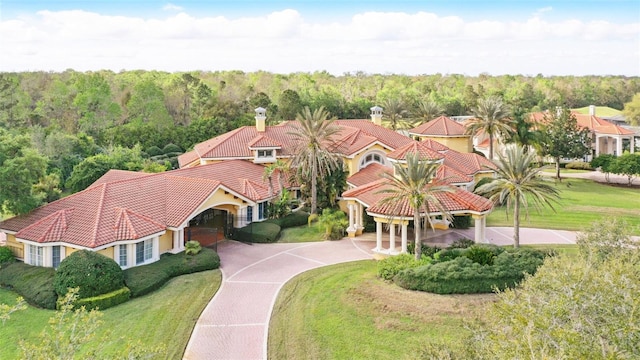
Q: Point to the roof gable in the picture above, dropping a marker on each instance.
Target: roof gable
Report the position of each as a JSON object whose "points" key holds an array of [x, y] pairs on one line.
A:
{"points": [[440, 126], [415, 147]]}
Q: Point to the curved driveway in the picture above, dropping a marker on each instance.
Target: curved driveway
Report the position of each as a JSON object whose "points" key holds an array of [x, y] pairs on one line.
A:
{"points": [[234, 324]]}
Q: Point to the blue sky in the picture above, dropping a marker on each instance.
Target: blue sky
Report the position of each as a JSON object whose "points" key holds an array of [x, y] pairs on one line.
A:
{"points": [[555, 37]]}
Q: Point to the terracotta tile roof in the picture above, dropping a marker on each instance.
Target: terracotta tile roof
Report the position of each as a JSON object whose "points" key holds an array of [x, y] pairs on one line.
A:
{"points": [[369, 174], [440, 126], [130, 225], [415, 147], [117, 175], [136, 206], [351, 140], [450, 175], [434, 145], [468, 163], [458, 200], [591, 122], [188, 158], [262, 141], [388, 137]]}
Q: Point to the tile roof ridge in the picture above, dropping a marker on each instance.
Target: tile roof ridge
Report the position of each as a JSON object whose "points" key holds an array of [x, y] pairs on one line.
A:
{"points": [[125, 214], [362, 188], [56, 218], [98, 214]]}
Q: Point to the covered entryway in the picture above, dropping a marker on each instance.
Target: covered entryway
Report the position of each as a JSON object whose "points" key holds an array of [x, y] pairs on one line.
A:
{"points": [[208, 227]]}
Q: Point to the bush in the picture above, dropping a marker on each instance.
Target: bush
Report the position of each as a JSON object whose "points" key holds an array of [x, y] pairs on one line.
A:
{"points": [[33, 283], [154, 151], [104, 301], [94, 274], [6, 255], [192, 247], [171, 148], [258, 232], [482, 254], [144, 279], [462, 243], [294, 219], [426, 249], [391, 266], [461, 222], [463, 276], [579, 165], [448, 254], [334, 222]]}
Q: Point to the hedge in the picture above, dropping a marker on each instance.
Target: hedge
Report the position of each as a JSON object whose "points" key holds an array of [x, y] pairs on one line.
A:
{"points": [[580, 165], [294, 219], [463, 276], [33, 283], [391, 266], [6, 255], [104, 301], [144, 279], [258, 232]]}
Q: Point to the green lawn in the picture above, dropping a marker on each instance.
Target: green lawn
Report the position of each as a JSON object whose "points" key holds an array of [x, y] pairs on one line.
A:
{"points": [[344, 312], [164, 317], [582, 202], [302, 233], [565, 171]]}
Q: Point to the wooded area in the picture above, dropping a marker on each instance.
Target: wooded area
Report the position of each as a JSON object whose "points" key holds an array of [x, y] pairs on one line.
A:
{"points": [[133, 120]]}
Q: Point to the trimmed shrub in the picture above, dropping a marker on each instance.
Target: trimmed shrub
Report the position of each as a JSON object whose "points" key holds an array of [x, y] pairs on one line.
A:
{"points": [[154, 151], [171, 148], [93, 273], [426, 249], [258, 232], [391, 266], [192, 247], [463, 276], [462, 243], [144, 279], [33, 283], [579, 165], [482, 254], [104, 301], [172, 154], [448, 254], [461, 222], [294, 219], [6, 255]]}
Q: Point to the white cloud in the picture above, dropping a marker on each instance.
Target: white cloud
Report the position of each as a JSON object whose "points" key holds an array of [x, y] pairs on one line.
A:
{"points": [[285, 41], [541, 11], [172, 7]]}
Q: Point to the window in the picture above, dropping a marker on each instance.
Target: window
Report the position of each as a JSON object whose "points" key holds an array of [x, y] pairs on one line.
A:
{"points": [[262, 210], [144, 251], [265, 153], [35, 255], [122, 257], [249, 213], [371, 158], [55, 256]]}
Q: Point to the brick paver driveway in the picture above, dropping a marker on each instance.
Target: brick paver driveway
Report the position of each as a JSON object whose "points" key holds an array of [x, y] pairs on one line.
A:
{"points": [[234, 324]]}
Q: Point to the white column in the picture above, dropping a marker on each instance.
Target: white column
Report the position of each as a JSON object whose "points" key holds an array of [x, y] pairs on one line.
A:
{"points": [[176, 240], [378, 236], [155, 249], [632, 145], [478, 230], [392, 238], [618, 145], [483, 235], [131, 255], [597, 145], [352, 225], [404, 237], [359, 211]]}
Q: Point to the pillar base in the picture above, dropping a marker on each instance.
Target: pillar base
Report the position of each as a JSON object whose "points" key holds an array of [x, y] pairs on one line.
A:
{"points": [[351, 234]]}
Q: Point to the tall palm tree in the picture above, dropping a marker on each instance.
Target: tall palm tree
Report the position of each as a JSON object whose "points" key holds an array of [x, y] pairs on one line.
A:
{"points": [[415, 185], [518, 185], [313, 157], [428, 110], [279, 166], [395, 110], [491, 116]]}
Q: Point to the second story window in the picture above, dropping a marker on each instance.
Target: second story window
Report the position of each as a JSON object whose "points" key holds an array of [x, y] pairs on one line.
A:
{"points": [[265, 154]]}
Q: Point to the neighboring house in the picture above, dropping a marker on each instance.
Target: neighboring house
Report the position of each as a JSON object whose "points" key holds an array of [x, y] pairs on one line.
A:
{"points": [[445, 131], [135, 217], [608, 138]]}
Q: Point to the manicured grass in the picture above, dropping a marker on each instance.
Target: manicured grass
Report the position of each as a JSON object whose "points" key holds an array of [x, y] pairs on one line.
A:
{"points": [[302, 233], [581, 203], [344, 312], [164, 317], [565, 171]]}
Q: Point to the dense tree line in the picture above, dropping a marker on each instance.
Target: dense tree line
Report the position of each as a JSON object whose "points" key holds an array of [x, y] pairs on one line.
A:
{"points": [[143, 119]]}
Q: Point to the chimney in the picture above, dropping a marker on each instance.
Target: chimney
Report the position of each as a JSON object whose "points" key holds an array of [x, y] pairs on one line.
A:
{"points": [[376, 115], [261, 117], [592, 110]]}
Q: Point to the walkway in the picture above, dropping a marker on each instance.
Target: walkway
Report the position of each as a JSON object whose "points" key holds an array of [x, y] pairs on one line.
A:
{"points": [[234, 324]]}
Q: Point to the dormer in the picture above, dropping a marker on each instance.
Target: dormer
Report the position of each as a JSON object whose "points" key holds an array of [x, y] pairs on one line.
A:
{"points": [[264, 149], [261, 119], [376, 115]]}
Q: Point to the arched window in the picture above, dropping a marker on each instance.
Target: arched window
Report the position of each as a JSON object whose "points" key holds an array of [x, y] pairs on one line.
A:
{"points": [[371, 157]]}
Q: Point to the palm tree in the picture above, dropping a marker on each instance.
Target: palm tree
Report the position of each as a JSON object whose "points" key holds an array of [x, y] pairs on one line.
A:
{"points": [[313, 157], [518, 185], [415, 183], [395, 111], [281, 167], [428, 110], [492, 118]]}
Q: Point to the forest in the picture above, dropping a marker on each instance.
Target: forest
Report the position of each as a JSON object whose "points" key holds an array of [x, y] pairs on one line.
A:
{"points": [[60, 131]]}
